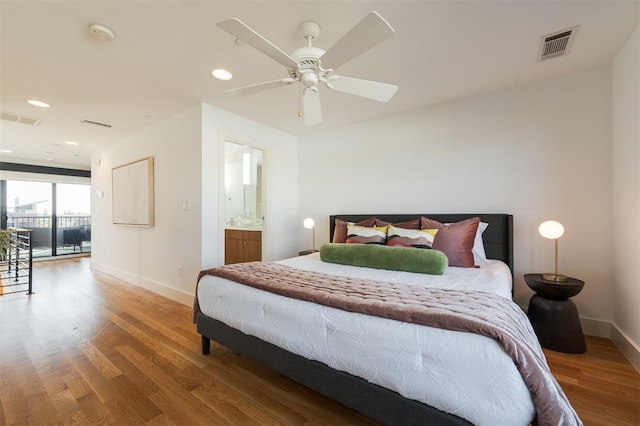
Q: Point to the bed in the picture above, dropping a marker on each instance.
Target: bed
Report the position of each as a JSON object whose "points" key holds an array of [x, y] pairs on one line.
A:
{"points": [[438, 382]]}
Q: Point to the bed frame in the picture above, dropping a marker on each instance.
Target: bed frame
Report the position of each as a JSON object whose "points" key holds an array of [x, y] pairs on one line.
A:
{"points": [[374, 401]]}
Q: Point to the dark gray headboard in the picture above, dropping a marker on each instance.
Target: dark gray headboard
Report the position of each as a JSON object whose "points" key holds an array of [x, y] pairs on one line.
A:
{"points": [[498, 237]]}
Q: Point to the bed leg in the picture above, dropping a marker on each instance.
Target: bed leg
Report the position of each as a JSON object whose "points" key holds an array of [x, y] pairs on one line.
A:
{"points": [[206, 345]]}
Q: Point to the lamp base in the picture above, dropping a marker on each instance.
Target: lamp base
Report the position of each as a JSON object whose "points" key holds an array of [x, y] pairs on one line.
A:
{"points": [[551, 276]]}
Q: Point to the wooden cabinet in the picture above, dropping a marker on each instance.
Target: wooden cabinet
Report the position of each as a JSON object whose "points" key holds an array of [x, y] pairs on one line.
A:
{"points": [[242, 246]]}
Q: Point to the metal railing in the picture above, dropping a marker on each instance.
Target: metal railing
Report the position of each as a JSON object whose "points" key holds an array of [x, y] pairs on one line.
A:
{"points": [[76, 229], [16, 267], [38, 221]]}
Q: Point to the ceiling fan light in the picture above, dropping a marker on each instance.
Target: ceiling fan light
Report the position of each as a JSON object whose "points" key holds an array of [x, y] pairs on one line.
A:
{"points": [[310, 79], [221, 74]]}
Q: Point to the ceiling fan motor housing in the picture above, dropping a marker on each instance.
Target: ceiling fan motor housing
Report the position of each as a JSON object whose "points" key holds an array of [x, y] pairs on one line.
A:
{"points": [[308, 58]]}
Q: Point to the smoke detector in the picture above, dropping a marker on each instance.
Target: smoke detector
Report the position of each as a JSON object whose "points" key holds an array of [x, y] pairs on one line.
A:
{"points": [[101, 32]]}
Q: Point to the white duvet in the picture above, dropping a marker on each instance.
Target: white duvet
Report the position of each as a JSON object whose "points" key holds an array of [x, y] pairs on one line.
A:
{"points": [[460, 373]]}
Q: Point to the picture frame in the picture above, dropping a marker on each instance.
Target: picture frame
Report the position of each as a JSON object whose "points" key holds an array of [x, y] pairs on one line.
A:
{"points": [[132, 192]]}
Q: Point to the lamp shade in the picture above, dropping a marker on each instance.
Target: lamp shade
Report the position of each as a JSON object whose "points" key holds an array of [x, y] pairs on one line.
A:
{"points": [[551, 229], [309, 223]]}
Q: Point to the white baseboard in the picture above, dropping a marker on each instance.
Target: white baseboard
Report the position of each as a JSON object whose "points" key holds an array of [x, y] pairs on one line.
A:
{"points": [[591, 327], [597, 328], [608, 330], [630, 350], [144, 282]]}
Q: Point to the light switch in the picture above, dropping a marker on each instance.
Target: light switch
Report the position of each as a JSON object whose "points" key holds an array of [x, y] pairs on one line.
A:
{"points": [[186, 205]]}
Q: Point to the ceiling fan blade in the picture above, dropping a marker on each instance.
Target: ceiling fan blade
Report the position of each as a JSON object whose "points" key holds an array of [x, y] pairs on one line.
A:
{"points": [[375, 90], [369, 32], [241, 31], [247, 90], [312, 108]]}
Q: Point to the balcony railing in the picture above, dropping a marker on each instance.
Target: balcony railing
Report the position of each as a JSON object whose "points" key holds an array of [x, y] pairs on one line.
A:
{"points": [[73, 232]]}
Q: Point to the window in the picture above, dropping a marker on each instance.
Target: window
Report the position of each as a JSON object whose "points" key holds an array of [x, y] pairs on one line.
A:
{"points": [[29, 207], [59, 215], [73, 209]]}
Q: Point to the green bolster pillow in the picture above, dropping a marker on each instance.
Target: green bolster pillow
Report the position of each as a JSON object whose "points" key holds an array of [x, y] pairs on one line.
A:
{"points": [[424, 261]]}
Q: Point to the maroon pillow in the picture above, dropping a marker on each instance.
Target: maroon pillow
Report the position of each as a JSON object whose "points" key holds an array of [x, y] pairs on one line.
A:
{"points": [[340, 231], [410, 224], [455, 240]]}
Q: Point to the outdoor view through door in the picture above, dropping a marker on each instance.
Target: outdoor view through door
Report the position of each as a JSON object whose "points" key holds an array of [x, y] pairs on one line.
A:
{"points": [[59, 214]]}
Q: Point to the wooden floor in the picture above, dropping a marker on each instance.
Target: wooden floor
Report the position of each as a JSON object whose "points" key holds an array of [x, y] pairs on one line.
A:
{"points": [[90, 349]]}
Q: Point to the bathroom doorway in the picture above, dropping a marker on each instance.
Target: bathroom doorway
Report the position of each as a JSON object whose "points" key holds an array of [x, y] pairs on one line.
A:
{"points": [[244, 202]]}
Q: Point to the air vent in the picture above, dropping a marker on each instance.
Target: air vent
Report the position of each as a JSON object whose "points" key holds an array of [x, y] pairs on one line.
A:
{"points": [[557, 44], [15, 118], [97, 123]]}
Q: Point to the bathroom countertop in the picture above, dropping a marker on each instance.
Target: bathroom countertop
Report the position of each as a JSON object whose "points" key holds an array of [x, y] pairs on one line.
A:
{"points": [[242, 228]]}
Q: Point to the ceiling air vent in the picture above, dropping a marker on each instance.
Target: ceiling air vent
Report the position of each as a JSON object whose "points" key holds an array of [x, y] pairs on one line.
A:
{"points": [[97, 123], [556, 44], [16, 118]]}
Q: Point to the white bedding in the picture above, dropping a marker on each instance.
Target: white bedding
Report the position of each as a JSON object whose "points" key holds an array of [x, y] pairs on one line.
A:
{"points": [[461, 373]]}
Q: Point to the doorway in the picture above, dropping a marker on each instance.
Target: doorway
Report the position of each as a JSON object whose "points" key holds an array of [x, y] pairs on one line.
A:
{"points": [[244, 202]]}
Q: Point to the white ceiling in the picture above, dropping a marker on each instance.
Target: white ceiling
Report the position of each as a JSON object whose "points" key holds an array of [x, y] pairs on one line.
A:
{"points": [[164, 51]]}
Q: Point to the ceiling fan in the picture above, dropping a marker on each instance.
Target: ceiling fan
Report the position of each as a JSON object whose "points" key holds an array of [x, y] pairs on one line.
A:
{"points": [[310, 65]]}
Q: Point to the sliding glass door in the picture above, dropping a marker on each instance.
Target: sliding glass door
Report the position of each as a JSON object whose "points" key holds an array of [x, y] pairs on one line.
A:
{"points": [[58, 213], [73, 211], [29, 206]]}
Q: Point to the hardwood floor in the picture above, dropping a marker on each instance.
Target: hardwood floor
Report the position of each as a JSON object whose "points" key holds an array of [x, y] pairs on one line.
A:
{"points": [[90, 349]]}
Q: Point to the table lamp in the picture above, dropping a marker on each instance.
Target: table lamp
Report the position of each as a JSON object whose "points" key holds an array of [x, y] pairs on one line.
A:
{"points": [[309, 223], [552, 230]]}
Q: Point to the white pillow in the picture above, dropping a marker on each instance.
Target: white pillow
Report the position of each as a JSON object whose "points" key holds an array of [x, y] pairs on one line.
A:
{"points": [[479, 256]]}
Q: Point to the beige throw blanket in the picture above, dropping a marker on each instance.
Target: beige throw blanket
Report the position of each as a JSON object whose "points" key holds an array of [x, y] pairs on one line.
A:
{"points": [[476, 312]]}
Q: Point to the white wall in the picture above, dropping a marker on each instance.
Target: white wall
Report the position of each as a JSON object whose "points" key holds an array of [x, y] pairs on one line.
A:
{"points": [[189, 166], [626, 197], [149, 256], [280, 185], [541, 151]]}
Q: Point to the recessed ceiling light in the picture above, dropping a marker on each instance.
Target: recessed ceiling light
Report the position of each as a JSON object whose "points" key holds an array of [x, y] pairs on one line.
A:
{"points": [[6, 151], [221, 74], [38, 103], [71, 143]]}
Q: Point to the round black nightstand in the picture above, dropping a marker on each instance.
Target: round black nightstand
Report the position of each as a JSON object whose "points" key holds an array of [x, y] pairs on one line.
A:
{"points": [[554, 316]]}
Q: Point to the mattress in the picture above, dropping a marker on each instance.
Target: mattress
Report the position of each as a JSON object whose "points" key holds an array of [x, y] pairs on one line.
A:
{"points": [[460, 373]]}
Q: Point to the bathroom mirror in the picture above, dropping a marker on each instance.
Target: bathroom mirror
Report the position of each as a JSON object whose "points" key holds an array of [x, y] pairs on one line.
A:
{"points": [[243, 186]]}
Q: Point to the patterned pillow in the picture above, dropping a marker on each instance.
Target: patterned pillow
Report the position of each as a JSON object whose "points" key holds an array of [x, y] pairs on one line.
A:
{"points": [[366, 235], [410, 224], [340, 231], [417, 238]]}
